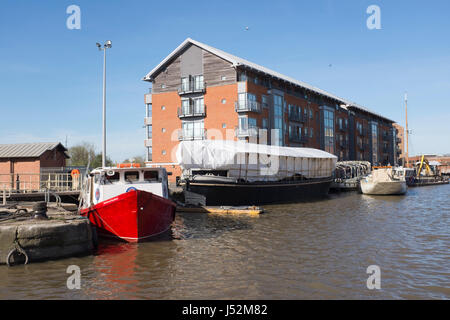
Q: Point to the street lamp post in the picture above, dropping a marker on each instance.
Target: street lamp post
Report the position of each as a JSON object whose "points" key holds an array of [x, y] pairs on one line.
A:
{"points": [[107, 45]]}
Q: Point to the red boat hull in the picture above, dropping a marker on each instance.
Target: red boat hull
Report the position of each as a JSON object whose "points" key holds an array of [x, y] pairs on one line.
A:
{"points": [[133, 216]]}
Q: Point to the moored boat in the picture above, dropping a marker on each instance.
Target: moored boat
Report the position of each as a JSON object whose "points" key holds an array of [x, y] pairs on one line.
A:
{"points": [[128, 202], [239, 173], [384, 181]]}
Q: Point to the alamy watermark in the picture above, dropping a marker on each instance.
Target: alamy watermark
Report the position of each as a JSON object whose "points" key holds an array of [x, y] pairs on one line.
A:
{"points": [[374, 280], [74, 280], [374, 20], [74, 20]]}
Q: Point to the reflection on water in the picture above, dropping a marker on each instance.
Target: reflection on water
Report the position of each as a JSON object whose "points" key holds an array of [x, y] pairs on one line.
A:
{"points": [[310, 250]]}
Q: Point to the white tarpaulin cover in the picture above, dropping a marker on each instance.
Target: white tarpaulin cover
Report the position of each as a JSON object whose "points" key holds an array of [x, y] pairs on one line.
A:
{"points": [[255, 162]]}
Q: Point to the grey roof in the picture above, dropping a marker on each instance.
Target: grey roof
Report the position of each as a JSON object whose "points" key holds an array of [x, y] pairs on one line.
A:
{"points": [[28, 150], [236, 61]]}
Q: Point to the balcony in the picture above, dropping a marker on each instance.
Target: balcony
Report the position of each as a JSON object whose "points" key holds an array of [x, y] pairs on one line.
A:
{"points": [[148, 143], [251, 131], [398, 140], [247, 106], [297, 117], [191, 111], [148, 121], [192, 87], [297, 138], [196, 134]]}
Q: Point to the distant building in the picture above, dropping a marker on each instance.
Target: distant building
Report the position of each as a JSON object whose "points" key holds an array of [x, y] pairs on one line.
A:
{"points": [[200, 92], [443, 160], [25, 162], [399, 154]]}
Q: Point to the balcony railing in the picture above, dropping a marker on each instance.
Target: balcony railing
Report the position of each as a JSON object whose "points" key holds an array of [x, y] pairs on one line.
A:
{"points": [[192, 87], [297, 138], [192, 111], [194, 134], [298, 117], [247, 106], [251, 131]]}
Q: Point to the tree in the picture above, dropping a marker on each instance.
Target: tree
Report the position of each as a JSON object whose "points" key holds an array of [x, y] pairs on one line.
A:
{"points": [[84, 153], [81, 154], [137, 159]]}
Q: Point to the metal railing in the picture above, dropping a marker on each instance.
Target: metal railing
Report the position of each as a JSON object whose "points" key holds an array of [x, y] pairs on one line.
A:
{"points": [[191, 111], [296, 116], [297, 138], [39, 182], [251, 131], [192, 87], [247, 106], [194, 134]]}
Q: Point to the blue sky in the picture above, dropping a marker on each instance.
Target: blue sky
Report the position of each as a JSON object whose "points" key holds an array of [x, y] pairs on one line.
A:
{"points": [[51, 77]]}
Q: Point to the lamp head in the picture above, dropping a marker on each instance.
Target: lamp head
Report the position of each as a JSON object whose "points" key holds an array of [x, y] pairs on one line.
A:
{"points": [[108, 44]]}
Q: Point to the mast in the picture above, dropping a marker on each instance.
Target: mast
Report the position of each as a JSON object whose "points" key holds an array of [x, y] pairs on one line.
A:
{"points": [[407, 132]]}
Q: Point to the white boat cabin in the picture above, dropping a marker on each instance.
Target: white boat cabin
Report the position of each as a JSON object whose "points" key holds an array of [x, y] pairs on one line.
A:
{"points": [[106, 183]]}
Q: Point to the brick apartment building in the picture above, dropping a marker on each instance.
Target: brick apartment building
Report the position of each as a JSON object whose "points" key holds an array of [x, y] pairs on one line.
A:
{"points": [[399, 155], [200, 92]]}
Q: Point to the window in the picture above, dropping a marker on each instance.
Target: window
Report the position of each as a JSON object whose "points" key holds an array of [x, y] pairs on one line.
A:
{"points": [[149, 131], [310, 132], [310, 113], [224, 101], [114, 177], [150, 175], [163, 152], [163, 108], [199, 106], [163, 86], [193, 129], [374, 143], [184, 84], [328, 130], [163, 130], [149, 109], [223, 78], [186, 106], [242, 76], [265, 101], [131, 176], [198, 82], [265, 123], [278, 119], [224, 125]]}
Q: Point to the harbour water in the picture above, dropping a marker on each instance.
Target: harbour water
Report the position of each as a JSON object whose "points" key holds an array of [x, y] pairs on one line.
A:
{"points": [[318, 250]]}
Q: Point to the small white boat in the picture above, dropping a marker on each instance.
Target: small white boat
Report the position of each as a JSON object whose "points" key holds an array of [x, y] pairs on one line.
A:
{"points": [[384, 181]]}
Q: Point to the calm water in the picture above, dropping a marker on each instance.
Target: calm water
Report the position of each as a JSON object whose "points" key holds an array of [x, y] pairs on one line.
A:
{"points": [[317, 250]]}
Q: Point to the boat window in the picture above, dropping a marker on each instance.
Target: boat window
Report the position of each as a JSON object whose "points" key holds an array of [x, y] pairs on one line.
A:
{"points": [[131, 176], [112, 177], [151, 175]]}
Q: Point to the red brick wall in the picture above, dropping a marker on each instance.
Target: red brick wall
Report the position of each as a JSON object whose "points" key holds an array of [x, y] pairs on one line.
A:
{"points": [[53, 159]]}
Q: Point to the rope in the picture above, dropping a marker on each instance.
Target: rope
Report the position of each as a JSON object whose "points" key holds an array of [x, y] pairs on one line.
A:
{"points": [[18, 214]]}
